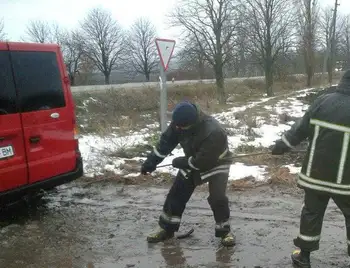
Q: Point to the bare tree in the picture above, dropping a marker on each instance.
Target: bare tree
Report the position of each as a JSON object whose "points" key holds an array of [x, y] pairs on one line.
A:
{"points": [[86, 69], [57, 34], [142, 55], [213, 24], [103, 40], [2, 30], [39, 31], [308, 21], [192, 58], [345, 41], [331, 33], [72, 49], [269, 26], [237, 52]]}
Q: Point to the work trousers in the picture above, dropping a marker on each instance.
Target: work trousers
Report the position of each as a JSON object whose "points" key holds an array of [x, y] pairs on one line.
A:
{"points": [[315, 205], [181, 191]]}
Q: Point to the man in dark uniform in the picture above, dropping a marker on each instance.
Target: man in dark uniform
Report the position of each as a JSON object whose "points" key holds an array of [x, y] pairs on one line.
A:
{"points": [[204, 142], [325, 171]]}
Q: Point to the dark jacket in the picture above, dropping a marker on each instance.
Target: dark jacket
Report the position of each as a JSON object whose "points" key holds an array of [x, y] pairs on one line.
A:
{"points": [[326, 166], [205, 145]]}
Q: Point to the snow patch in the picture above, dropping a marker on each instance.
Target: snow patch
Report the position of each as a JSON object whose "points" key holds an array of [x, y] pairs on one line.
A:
{"points": [[293, 169], [168, 160], [240, 170], [268, 135], [96, 150]]}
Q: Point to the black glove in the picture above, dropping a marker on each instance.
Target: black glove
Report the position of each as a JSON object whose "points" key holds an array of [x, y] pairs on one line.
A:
{"points": [[148, 167], [279, 148], [180, 162]]}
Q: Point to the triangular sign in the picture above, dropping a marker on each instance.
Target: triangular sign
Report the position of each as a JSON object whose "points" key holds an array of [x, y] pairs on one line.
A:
{"points": [[165, 49]]}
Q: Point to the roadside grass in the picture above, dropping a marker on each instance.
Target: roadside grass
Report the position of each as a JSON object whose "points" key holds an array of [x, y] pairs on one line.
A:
{"points": [[122, 112]]}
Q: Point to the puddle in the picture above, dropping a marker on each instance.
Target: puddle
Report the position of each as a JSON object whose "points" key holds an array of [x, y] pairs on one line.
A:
{"points": [[102, 226]]}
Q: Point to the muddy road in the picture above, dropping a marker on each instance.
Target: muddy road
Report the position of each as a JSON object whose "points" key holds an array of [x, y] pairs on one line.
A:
{"points": [[104, 225]]}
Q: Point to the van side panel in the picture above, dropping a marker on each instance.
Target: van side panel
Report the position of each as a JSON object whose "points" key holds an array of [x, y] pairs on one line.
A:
{"points": [[52, 153], [13, 169], [46, 111]]}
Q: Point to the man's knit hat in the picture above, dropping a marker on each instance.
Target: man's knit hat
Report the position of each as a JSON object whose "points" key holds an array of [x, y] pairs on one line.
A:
{"points": [[185, 114]]}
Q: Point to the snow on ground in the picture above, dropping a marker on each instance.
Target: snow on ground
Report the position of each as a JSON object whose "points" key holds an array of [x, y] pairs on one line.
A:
{"points": [[291, 107], [239, 171], [293, 169], [96, 150]]}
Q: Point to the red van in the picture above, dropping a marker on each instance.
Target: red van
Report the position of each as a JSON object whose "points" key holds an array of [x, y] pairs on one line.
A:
{"points": [[38, 137]]}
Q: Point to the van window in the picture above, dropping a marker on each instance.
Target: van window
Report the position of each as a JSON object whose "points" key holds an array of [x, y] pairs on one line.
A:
{"points": [[7, 87], [38, 80]]}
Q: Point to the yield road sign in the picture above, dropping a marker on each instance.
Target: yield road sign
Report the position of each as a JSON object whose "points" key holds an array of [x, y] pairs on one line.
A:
{"points": [[165, 49]]}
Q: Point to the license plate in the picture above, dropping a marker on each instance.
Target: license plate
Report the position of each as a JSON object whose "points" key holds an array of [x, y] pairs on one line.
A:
{"points": [[6, 151]]}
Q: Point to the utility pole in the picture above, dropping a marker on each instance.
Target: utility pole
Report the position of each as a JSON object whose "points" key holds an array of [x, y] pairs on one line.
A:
{"points": [[333, 46], [329, 57]]}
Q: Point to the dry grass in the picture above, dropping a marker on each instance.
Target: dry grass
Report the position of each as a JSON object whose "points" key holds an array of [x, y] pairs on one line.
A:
{"points": [[244, 184], [282, 176], [277, 174], [248, 149], [126, 100], [126, 148], [129, 109], [248, 118]]}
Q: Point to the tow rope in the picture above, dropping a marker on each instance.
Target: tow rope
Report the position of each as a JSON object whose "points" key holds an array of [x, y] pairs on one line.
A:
{"points": [[243, 155]]}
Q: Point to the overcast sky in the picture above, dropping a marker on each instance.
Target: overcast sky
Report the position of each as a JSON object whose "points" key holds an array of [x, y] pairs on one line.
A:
{"points": [[68, 13]]}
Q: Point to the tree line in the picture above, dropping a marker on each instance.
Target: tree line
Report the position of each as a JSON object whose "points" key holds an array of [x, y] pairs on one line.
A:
{"points": [[222, 38], [99, 43]]}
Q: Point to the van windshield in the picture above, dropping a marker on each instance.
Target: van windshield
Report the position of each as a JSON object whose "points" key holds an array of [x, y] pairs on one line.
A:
{"points": [[7, 87]]}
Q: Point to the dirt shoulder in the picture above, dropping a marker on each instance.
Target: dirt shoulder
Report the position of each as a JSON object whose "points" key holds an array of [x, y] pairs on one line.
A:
{"points": [[276, 173]]}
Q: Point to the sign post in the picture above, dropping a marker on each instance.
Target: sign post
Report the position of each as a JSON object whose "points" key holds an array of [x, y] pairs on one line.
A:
{"points": [[165, 48]]}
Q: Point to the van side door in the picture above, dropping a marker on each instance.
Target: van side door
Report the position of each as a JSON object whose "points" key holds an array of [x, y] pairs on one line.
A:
{"points": [[48, 121], [13, 162]]}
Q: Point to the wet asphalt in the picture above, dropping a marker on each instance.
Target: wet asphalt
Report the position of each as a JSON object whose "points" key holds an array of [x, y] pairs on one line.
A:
{"points": [[105, 225]]}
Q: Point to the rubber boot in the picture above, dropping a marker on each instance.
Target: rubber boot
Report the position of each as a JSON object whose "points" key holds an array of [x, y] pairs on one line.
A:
{"points": [[301, 259], [228, 240], [159, 236]]}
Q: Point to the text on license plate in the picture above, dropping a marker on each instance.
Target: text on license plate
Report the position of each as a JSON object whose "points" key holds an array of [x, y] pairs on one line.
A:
{"points": [[6, 151]]}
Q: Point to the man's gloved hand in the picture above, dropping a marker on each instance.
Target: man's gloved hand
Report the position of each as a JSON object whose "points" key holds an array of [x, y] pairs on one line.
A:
{"points": [[180, 162], [147, 167], [279, 148]]}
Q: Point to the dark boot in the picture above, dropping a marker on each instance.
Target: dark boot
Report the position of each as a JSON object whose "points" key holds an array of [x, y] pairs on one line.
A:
{"points": [[228, 240], [301, 259], [159, 236]]}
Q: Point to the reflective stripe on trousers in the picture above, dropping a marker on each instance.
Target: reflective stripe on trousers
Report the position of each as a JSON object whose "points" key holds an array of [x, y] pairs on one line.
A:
{"points": [[170, 219], [309, 238]]}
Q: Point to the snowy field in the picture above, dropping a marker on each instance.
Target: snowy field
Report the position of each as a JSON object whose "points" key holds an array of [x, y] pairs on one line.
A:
{"points": [[267, 127]]}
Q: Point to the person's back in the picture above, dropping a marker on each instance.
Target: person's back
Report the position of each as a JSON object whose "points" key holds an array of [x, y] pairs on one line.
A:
{"points": [[325, 171], [327, 125], [329, 138]]}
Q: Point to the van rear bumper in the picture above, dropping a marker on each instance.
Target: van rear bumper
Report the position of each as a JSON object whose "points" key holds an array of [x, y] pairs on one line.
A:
{"points": [[15, 194]]}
